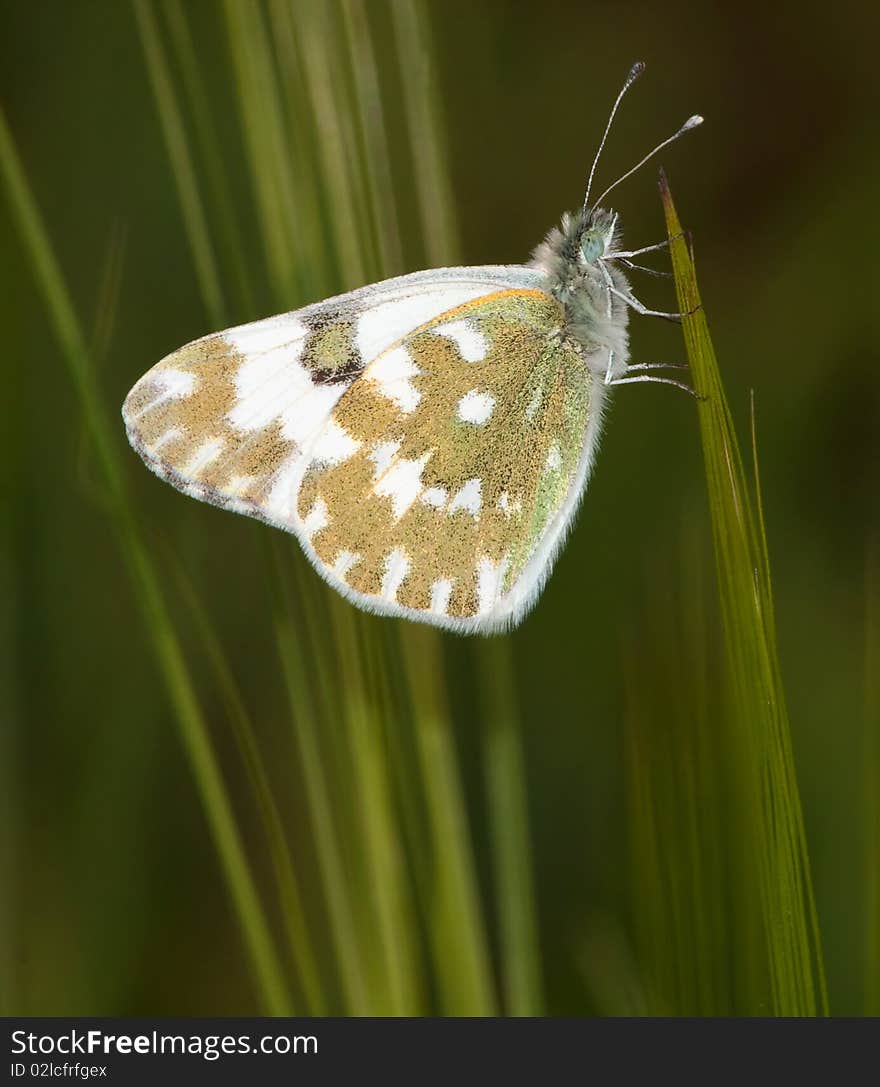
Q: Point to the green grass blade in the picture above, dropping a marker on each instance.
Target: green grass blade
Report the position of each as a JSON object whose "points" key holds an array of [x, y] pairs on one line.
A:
{"points": [[455, 921], [299, 939], [307, 670], [423, 114], [872, 780], [504, 768], [234, 247], [268, 152], [368, 101], [179, 152], [172, 665], [392, 922], [322, 68], [780, 853], [684, 823]]}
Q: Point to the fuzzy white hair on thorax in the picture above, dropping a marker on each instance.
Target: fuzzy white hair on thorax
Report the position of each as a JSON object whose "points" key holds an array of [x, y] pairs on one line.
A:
{"points": [[595, 318]]}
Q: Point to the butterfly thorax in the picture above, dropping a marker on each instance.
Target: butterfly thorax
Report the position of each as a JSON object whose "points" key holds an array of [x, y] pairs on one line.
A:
{"points": [[573, 260]]}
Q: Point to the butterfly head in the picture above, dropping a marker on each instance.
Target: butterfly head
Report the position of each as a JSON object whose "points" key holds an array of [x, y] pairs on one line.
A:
{"points": [[592, 246], [593, 235], [571, 254]]}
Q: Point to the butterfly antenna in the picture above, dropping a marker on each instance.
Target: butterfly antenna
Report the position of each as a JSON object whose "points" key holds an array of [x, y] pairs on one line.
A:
{"points": [[634, 74], [690, 123]]}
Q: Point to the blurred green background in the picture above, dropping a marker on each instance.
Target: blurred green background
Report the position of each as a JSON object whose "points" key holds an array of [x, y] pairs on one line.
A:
{"points": [[112, 897]]}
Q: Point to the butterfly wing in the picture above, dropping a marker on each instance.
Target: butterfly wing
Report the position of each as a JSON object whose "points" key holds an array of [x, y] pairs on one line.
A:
{"points": [[427, 439], [234, 417], [474, 436]]}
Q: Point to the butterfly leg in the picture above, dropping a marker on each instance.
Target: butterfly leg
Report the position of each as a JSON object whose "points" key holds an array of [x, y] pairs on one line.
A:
{"points": [[639, 366], [641, 308], [657, 381], [645, 249], [642, 268]]}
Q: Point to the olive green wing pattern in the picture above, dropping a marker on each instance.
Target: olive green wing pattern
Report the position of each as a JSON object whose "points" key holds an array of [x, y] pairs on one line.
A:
{"points": [[466, 446]]}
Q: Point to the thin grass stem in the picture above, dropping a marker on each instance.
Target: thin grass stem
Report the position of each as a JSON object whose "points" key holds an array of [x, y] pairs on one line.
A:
{"points": [[179, 152], [172, 665], [507, 796]]}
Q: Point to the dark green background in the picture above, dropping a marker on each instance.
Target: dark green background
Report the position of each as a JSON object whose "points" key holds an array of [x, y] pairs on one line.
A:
{"points": [[111, 897]]}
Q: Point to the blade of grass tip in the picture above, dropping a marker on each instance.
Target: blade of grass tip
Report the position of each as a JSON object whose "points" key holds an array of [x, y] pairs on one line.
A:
{"points": [[298, 938], [172, 664], [182, 163], [504, 769], [421, 101], [368, 100], [872, 778], [331, 864], [233, 245], [455, 922], [793, 944]]}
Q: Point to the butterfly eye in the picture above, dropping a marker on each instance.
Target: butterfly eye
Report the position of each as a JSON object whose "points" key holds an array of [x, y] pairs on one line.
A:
{"points": [[592, 246]]}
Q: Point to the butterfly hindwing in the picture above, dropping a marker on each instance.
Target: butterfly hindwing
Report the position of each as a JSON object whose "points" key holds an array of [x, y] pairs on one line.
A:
{"points": [[470, 438]]}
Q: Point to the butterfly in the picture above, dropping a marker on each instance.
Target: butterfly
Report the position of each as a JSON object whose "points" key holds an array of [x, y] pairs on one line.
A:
{"points": [[428, 438]]}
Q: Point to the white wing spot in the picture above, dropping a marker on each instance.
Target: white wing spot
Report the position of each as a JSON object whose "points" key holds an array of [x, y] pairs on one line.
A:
{"points": [[304, 415], [271, 384], [237, 485], [396, 569], [490, 578], [534, 404], [382, 454], [207, 452], [260, 336], [436, 497], [334, 445], [554, 459], [393, 372], [469, 497], [387, 323], [174, 385], [507, 507], [441, 591], [285, 487], [345, 560], [476, 407], [470, 341], [317, 518], [403, 483]]}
